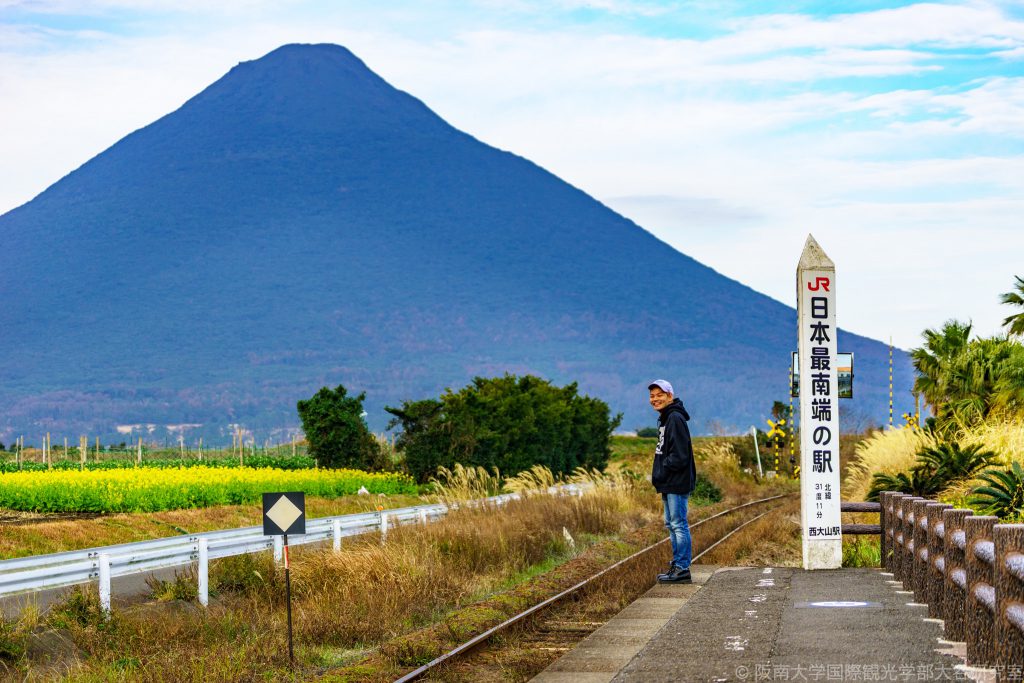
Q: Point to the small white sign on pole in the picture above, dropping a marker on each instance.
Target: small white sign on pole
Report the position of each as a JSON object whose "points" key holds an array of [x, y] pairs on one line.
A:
{"points": [[819, 410]]}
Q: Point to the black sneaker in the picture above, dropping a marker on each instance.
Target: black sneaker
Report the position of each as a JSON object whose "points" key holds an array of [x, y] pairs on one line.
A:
{"points": [[676, 575], [667, 571]]}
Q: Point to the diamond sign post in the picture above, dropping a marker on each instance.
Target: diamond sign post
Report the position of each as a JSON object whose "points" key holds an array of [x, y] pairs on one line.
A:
{"points": [[819, 409], [283, 514]]}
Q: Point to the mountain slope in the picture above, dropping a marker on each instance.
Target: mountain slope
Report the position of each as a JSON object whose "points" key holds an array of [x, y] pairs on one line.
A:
{"points": [[300, 222]]}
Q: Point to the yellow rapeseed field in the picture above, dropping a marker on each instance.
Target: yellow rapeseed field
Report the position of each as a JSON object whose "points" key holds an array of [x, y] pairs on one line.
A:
{"points": [[150, 490]]}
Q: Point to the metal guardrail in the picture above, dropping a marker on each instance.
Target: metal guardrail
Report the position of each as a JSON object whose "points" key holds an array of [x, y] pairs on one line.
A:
{"points": [[59, 570]]}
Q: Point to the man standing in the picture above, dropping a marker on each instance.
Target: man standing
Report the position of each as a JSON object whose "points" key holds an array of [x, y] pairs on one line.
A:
{"points": [[674, 476]]}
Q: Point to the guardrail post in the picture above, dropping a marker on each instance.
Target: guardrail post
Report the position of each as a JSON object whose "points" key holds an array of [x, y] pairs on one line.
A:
{"points": [[423, 517], [1009, 634], [892, 500], [336, 533], [919, 563], [981, 593], [383, 527], [955, 595], [934, 584], [104, 589], [905, 571], [278, 550], [893, 521], [203, 572], [884, 520]]}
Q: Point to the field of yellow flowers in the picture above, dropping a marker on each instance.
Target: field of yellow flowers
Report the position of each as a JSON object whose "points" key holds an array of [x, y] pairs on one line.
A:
{"points": [[152, 490]]}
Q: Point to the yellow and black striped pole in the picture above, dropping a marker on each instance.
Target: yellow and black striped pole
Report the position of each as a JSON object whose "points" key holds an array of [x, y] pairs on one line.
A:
{"points": [[792, 418], [776, 442], [890, 382]]}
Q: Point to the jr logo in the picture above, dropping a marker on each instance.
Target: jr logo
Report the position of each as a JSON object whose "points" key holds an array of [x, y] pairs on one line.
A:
{"points": [[819, 283]]}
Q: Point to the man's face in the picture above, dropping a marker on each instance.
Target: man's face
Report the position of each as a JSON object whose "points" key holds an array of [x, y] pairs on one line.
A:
{"points": [[659, 398]]}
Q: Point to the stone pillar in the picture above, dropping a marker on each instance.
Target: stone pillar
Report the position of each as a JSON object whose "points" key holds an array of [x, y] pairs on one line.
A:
{"points": [[920, 559], [935, 581], [979, 615], [1009, 542], [955, 595], [819, 409], [884, 522], [907, 556], [896, 557]]}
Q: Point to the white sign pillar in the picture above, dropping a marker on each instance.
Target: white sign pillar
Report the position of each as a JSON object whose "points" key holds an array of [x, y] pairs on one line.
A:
{"points": [[819, 409]]}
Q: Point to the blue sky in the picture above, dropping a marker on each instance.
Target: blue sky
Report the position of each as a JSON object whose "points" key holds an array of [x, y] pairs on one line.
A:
{"points": [[894, 132]]}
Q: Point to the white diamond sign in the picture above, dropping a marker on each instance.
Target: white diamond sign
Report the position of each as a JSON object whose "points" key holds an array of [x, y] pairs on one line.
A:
{"points": [[284, 513]]}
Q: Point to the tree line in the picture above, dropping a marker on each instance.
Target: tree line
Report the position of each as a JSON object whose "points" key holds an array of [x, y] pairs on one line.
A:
{"points": [[505, 423], [966, 381]]}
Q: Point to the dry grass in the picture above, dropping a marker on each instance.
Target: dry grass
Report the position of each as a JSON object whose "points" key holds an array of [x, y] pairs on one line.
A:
{"points": [[895, 450], [343, 603], [465, 483], [524, 651], [473, 552], [718, 462], [453, 578], [536, 480], [889, 451], [772, 541]]}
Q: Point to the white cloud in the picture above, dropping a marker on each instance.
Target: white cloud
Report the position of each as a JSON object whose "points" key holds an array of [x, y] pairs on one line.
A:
{"points": [[970, 25], [727, 147]]}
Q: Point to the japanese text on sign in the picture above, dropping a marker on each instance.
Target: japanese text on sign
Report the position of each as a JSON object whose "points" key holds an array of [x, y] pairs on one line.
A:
{"points": [[819, 417]]}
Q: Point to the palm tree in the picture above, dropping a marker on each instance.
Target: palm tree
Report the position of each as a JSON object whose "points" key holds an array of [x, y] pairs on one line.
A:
{"points": [[1009, 390], [952, 462], [1003, 492], [932, 361], [970, 381], [920, 481], [1015, 298]]}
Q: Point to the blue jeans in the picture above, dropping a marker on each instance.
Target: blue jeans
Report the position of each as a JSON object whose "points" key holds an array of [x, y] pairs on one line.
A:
{"points": [[678, 528]]}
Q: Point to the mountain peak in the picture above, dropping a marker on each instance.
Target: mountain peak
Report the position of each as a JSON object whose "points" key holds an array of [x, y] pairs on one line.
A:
{"points": [[301, 223], [312, 87]]}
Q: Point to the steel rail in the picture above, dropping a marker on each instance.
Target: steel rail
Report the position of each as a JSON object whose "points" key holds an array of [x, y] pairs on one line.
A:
{"points": [[477, 640]]}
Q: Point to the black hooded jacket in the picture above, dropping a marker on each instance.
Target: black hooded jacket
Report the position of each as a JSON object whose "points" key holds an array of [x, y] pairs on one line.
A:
{"points": [[674, 470]]}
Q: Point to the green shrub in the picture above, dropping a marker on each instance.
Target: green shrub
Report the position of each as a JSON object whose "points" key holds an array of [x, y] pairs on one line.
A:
{"points": [[938, 466], [336, 432], [80, 606], [1002, 494], [705, 492], [250, 574], [862, 552], [12, 644], [184, 586], [506, 423]]}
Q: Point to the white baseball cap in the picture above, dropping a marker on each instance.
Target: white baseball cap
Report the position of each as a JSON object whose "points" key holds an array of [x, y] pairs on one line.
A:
{"points": [[662, 384]]}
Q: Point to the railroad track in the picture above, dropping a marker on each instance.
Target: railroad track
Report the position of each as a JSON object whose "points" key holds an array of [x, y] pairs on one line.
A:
{"points": [[578, 630]]}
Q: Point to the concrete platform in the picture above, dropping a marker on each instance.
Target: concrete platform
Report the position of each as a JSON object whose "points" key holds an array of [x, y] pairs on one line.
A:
{"points": [[610, 648], [765, 624]]}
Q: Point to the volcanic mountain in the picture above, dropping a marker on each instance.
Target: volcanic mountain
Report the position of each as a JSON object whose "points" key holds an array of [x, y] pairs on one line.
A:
{"points": [[302, 223]]}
